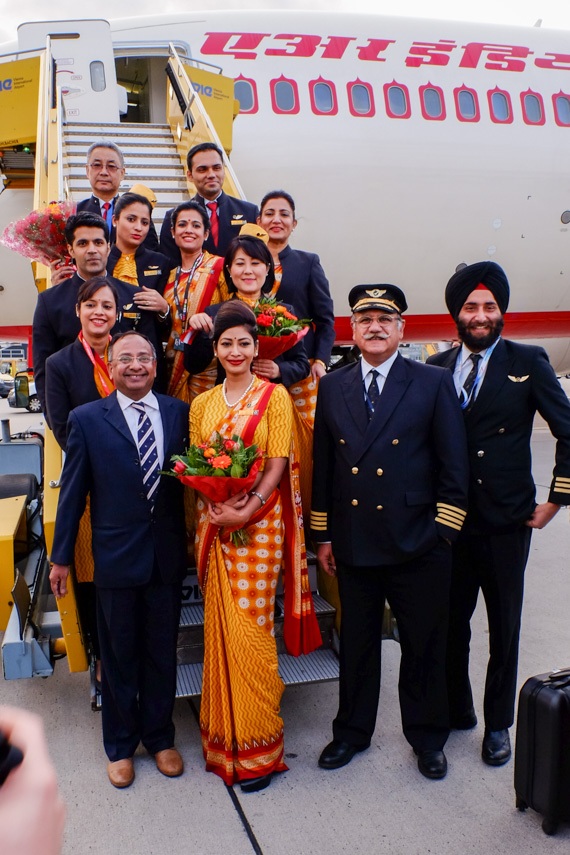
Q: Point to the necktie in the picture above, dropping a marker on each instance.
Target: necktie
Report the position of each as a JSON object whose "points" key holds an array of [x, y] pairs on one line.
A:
{"points": [[147, 451], [471, 377], [214, 224], [105, 213], [373, 394]]}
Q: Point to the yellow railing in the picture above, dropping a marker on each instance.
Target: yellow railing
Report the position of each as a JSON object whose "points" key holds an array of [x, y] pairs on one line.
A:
{"points": [[194, 125]]}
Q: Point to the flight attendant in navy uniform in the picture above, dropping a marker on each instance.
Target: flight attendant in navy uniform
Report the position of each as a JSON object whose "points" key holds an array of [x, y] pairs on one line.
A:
{"points": [[389, 496], [501, 384]]}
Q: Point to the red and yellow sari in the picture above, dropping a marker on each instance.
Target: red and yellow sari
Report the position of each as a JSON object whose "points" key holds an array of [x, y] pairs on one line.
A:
{"points": [[205, 288], [242, 732]]}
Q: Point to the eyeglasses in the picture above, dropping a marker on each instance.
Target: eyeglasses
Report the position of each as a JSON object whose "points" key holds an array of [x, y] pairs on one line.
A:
{"points": [[143, 359], [382, 321], [97, 166]]}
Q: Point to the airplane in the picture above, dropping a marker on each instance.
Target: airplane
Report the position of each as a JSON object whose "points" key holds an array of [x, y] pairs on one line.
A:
{"points": [[410, 146]]}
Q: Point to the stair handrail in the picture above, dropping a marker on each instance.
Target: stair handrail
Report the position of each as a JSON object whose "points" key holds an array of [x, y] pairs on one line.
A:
{"points": [[192, 99]]}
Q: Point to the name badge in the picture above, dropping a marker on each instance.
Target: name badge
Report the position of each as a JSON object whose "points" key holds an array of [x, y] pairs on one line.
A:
{"points": [[152, 272]]}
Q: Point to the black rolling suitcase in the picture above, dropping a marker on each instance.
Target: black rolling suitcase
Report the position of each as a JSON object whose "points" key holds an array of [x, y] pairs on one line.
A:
{"points": [[542, 754]]}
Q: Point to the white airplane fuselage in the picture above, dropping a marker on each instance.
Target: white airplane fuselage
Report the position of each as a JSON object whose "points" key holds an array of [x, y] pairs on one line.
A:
{"points": [[410, 147]]}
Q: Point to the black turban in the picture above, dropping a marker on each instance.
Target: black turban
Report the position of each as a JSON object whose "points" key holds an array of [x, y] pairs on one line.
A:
{"points": [[465, 281]]}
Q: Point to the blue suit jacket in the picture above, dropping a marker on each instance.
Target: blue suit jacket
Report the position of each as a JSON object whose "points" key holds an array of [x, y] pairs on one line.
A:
{"points": [[232, 214], [129, 537], [385, 489], [305, 286]]}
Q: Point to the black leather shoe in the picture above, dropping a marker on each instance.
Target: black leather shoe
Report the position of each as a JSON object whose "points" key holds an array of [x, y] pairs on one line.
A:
{"points": [[253, 785], [432, 764], [338, 753], [496, 747], [464, 721]]}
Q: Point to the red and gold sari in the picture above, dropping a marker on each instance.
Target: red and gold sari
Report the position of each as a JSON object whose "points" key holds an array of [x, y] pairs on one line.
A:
{"points": [[186, 299], [242, 732]]}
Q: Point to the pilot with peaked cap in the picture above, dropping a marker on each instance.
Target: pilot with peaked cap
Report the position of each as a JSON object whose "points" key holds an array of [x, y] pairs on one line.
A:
{"points": [[389, 496], [500, 384]]}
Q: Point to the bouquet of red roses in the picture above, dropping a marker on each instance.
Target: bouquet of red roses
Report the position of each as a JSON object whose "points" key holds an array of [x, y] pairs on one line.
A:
{"points": [[41, 235], [277, 329], [219, 469]]}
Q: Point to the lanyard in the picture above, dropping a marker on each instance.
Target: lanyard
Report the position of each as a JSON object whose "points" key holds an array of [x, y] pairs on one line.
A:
{"points": [[465, 400], [183, 310]]}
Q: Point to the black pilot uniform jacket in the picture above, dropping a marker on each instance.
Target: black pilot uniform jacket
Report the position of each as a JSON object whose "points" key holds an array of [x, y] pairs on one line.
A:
{"points": [[385, 490]]}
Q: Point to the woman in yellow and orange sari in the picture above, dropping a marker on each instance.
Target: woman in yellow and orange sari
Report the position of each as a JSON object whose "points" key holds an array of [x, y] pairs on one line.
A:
{"points": [[242, 732], [191, 288]]}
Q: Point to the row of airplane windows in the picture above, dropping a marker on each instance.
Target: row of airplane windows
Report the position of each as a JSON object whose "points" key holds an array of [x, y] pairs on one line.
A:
{"points": [[324, 102]]}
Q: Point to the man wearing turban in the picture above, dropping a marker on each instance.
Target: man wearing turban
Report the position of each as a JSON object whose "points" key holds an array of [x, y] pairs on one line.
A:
{"points": [[500, 384]]}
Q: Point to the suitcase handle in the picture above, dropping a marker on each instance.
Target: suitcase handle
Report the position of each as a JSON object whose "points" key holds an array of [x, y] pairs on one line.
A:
{"points": [[561, 676]]}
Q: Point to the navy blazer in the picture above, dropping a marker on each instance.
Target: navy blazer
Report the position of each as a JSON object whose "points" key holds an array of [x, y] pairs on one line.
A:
{"points": [[153, 268], [232, 214], [92, 205], [519, 381], [130, 536], [305, 286], [70, 382], [293, 364], [56, 324], [384, 490]]}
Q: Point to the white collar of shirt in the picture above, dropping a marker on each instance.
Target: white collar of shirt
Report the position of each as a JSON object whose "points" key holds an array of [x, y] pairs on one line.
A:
{"points": [[104, 201], [207, 202], [464, 365], [383, 369], [132, 418]]}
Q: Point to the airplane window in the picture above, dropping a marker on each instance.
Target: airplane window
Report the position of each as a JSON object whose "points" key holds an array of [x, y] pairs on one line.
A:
{"points": [[432, 103], [323, 96], [97, 72], [500, 108], [466, 103], [562, 109], [532, 109], [243, 91], [285, 96], [360, 98], [397, 100]]}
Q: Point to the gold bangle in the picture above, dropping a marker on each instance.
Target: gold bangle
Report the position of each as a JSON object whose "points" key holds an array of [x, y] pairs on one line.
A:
{"points": [[320, 361]]}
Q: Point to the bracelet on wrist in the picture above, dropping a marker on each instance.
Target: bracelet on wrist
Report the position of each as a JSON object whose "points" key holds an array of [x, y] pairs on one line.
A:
{"points": [[259, 496]]}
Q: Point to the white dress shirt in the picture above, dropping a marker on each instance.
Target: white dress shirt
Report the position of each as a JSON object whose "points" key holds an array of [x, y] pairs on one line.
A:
{"points": [[383, 371], [132, 418]]}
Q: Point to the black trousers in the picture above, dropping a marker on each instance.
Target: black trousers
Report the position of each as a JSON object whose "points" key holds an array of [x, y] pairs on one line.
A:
{"points": [[494, 564], [418, 593], [138, 630]]}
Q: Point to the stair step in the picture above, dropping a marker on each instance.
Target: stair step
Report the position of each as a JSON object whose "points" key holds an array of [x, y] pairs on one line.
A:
{"points": [[151, 158], [126, 125], [317, 667], [190, 648]]}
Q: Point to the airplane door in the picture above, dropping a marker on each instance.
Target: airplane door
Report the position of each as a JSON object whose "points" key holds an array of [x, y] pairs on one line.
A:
{"points": [[83, 52]]}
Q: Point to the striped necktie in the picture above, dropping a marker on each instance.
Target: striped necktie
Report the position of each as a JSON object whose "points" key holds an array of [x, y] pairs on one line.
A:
{"points": [[148, 452], [214, 222], [373, 394], [106, 214], [472, 376]]}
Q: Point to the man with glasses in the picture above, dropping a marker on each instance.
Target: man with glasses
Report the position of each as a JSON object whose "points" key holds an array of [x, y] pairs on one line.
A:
{"points": [[105, 170], [389, 497], [116, 450]]}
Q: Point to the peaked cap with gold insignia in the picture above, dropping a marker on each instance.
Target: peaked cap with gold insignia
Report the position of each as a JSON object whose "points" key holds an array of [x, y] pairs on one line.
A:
{"points": [[385, 298]]}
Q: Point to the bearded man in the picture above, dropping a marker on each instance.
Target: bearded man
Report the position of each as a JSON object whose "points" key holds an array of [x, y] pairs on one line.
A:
{"points": [[501, 385]]}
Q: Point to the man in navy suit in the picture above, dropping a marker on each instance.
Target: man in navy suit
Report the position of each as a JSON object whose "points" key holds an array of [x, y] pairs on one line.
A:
{"points": [[501, 385], [227, 214], [389, 495], [56, 324], [139, 551]]}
